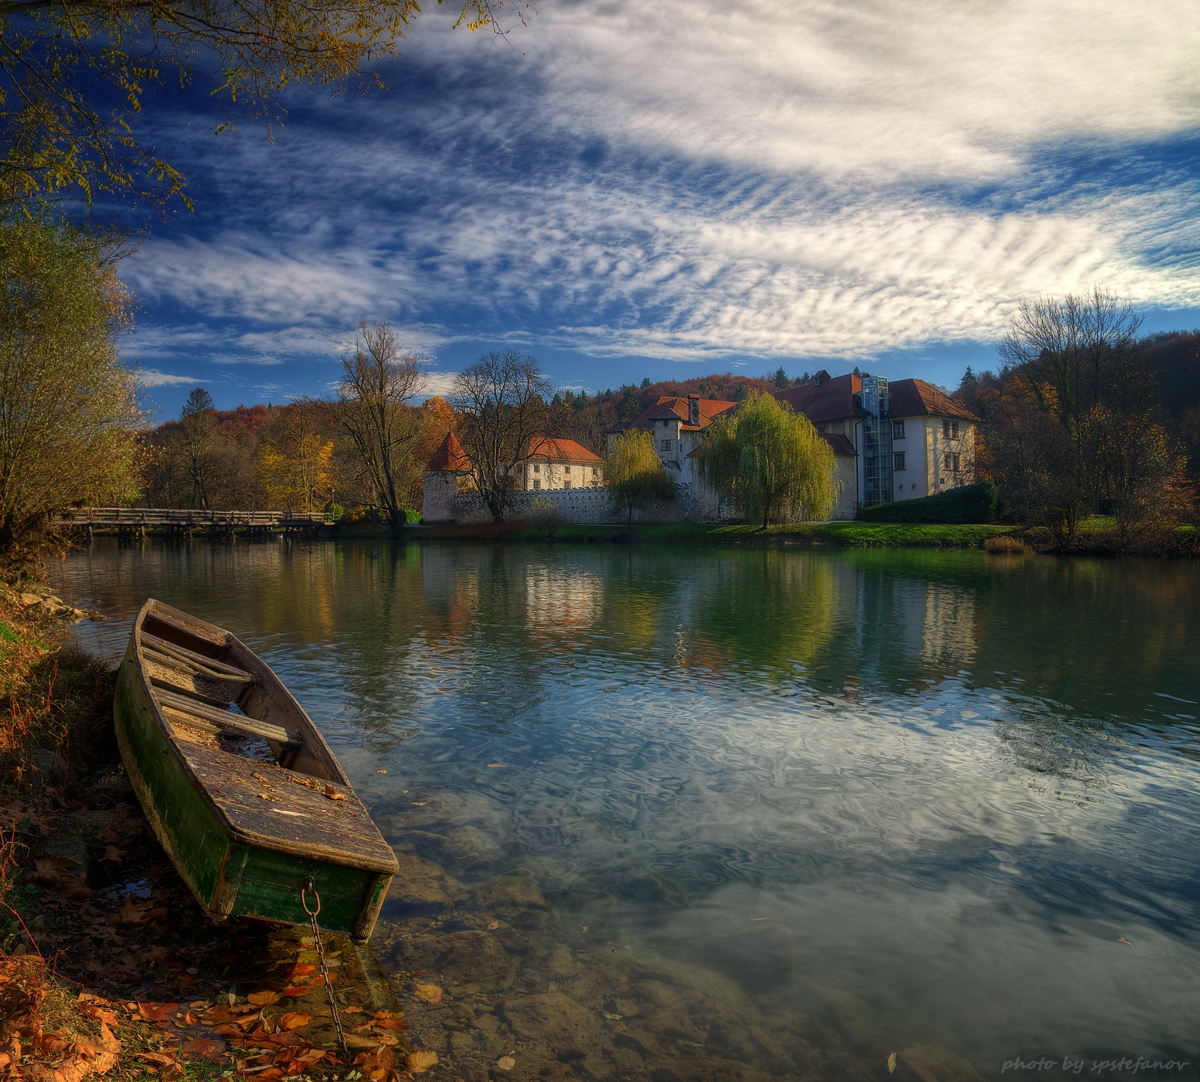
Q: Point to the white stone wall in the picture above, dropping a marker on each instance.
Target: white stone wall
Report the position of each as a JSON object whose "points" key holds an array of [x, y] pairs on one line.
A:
{"points": [[444, 502]]}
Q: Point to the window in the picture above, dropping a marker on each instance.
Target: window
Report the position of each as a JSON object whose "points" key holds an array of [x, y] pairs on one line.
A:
{"points": [[948, 465], [949, 430], [898, 434], [945, 430], [566, 482], [537, 485], [898, 460], [664, 445], [537, 469], [954, 463], [954, 430]]}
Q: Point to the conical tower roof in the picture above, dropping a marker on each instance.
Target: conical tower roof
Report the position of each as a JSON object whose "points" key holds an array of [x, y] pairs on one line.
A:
{"points": [[449, 457]]}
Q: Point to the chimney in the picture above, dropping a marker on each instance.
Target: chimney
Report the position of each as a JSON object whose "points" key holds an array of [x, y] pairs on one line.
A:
{"points": [[694, 410]]}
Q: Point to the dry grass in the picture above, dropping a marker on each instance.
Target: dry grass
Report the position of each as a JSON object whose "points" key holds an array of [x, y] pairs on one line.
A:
{"points": [[1005, 543], [53, 700]]}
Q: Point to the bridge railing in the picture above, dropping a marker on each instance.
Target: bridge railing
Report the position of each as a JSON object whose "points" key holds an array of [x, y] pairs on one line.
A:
{"points": [[186, 517]]}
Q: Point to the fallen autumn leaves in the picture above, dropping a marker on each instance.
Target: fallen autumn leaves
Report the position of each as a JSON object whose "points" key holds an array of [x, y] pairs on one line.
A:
{"points": [[49, 1034]]}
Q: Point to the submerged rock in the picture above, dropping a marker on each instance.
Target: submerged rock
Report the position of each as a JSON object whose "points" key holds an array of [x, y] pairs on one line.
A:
{"points": [[507, 893], [759, 958], [559, 965], [570, 1030], [473, 956], [929, 1063], [421, 887]]}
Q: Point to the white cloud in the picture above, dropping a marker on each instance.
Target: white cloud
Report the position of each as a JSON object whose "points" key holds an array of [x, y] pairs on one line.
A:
{"points": [[931, 88], [438, 383], [825, 179], [149, 377]]}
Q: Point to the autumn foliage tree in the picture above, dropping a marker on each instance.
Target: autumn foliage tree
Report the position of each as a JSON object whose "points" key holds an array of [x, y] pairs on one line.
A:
{"points": [[1073, 424], [67, 406], [74, 75], [295, 462], [635, 475], [770, 462]]}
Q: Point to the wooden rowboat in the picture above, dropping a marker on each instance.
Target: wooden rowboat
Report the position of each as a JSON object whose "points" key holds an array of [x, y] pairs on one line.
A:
{"points": [[240, 788]]}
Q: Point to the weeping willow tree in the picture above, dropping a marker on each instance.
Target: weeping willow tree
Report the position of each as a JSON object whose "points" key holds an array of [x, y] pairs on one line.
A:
{"points": [[770, 462], [67, 406]]}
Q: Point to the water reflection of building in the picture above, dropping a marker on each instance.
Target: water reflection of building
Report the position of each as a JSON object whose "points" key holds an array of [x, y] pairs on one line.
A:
{"points": [[949, 634], [557, 598], [925, 624]]}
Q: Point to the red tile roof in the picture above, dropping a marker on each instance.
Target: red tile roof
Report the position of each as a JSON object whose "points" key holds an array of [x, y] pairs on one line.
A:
{"points": [[449, 457], [562, 451], [671, 408], [913, 397], [840, 444], [834, 399], [831, 400]]}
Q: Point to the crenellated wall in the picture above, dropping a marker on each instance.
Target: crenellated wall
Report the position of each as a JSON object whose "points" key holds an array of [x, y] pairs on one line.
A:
{"points": [[446, 499]]}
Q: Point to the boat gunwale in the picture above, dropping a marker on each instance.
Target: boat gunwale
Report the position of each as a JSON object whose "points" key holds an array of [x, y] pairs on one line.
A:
{"points": [[276, 688]]}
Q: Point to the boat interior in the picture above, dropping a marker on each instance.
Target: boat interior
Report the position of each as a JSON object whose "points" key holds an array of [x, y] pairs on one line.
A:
{"points": [[216, 693]]}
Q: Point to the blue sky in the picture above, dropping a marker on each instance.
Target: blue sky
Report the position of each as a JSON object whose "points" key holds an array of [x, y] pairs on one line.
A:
{"points": [[628, 189]]}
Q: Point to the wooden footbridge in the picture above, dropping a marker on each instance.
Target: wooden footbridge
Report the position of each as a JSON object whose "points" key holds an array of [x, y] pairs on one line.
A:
{"points": [[134, 522]]}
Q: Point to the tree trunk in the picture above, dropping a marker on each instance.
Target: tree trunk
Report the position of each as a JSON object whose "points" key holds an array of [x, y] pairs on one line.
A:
{"points": [[397, 522]]}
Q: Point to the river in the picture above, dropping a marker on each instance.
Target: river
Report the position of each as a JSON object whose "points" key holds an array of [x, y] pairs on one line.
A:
{"points": [[790, 811]]}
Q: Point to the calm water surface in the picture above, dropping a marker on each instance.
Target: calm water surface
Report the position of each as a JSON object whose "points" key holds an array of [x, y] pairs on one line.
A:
{"points": [[878, 798]]}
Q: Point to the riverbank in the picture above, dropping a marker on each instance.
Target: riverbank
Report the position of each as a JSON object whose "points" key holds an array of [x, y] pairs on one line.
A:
{"points": [[1097, 536], [107, 965], [700, 534]]}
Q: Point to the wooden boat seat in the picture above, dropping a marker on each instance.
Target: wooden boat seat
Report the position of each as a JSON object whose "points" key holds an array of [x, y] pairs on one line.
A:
{"points": [[276, 808], [209, 666], [191, 711]]}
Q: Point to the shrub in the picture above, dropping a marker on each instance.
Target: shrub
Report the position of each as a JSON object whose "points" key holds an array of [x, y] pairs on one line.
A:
{"points": [[972, 503], [544, 515], [1004, 543]]}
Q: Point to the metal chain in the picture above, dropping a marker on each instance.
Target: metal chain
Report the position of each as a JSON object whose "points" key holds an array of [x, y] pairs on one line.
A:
{"points": [[312, 917]]}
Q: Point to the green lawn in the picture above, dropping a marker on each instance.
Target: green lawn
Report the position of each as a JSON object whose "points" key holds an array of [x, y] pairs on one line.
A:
{"points": [[698, 534]]}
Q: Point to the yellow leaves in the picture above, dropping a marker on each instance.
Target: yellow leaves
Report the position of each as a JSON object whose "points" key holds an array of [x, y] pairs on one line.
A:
{"points": [[263, 999], [294, 1020], [429, 993], [891, 1063], [506, 1063], [333, 794], [294, 466], [419, 1062], [493, 926]]}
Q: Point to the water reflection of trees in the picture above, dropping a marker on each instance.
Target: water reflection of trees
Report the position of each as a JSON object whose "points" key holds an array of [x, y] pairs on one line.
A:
{"points": [[391, 627], [769, 613]]}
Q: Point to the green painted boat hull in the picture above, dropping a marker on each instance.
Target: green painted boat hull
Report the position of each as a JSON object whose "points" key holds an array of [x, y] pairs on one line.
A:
{"points": [[229, 878]]}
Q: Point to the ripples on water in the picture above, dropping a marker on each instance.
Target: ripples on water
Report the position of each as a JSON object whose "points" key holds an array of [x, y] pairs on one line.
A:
{"points": [[851, 802]]}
